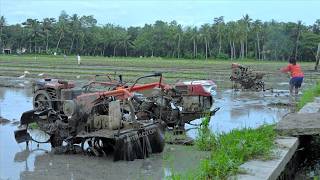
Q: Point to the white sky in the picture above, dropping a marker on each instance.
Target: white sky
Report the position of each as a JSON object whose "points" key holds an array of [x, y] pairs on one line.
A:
{"points": [[138, 12]]}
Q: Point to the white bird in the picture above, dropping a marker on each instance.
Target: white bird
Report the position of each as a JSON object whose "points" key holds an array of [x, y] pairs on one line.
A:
{"points": [[23, 76], [41, 74], [21, 85], [78, 76]]}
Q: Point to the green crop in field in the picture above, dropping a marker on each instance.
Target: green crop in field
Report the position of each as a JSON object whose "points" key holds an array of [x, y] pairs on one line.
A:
{"points": [[230, 150]]}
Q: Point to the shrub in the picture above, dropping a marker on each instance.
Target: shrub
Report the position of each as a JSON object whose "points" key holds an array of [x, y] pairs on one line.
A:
{"points": [[222, 56]]}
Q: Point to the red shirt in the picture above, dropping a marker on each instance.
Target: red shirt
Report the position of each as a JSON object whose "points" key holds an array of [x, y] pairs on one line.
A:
{"points": [[295, 70]]}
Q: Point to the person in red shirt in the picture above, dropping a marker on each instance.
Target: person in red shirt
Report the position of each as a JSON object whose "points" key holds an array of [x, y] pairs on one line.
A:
{"points": [[295, 73]]}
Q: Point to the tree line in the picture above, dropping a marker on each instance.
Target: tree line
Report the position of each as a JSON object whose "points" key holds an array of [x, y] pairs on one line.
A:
{"points": [[240, 39]]}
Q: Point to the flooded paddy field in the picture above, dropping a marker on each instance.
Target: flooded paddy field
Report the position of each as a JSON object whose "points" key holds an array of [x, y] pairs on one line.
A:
{"points": [[172, 69], [238, 110]]}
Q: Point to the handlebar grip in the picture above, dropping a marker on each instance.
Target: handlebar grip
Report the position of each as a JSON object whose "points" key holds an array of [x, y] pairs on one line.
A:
{"points": [[157, 74], [151, 75]]}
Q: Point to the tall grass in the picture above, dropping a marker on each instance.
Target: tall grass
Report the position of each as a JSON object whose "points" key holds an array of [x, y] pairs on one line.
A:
{"points": [[309, 95], [206, 140], [230, 150]]}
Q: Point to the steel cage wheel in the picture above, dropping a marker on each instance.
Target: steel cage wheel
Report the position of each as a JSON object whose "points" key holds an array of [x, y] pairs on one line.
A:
{"points": [[41, 99]]}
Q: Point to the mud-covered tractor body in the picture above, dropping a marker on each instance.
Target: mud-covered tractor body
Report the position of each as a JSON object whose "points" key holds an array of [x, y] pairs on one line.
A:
{"points": [[246, 78], [126, 121]]}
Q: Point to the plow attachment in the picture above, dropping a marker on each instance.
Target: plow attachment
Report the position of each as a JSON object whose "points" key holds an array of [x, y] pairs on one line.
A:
{"points": [[22, 135], [139, 145], [27, 117], [127, 145]]}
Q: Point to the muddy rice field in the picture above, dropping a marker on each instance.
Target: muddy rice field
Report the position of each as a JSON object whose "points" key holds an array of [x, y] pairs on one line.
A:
{"points": [[26, 67], [238, 109]]}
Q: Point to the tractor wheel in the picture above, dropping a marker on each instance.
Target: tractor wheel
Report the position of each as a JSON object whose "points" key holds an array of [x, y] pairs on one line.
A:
{"points": [[41, 99]]}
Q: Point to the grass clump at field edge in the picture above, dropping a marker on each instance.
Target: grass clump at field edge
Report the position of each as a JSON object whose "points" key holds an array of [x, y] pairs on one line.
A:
{"points": [[230, 150], [309, 95]]}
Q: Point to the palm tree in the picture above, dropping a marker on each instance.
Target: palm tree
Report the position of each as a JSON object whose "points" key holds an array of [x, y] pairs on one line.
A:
{"points": [[232, 34], [34, 30], [62, 27], [241, 35], [205, 33], [298, 32], [317, 58], [61, 30], [118, 37], [2, 24], [126, 42], [47, 27], [194, 39], [257, 26], [75, 27], [178, 36], [219, 22], [247, 20]]}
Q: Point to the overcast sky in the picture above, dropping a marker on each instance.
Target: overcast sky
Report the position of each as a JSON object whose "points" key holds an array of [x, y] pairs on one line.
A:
{"points": [[138, 12]]}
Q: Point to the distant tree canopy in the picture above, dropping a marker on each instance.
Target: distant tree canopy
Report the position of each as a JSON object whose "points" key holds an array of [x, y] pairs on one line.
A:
{"points": [[244, 38]]}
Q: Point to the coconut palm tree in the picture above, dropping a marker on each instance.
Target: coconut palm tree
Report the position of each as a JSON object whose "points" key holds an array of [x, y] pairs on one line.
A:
{"points": [[219, 22], [62, 27], [33, 25], [47, 26], [2, 24], [205, 34], [75, 28], [257, 28], [247, 21]]}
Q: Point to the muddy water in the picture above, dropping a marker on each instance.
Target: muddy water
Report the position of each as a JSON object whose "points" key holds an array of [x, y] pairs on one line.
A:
{"points": [[238, 109], [245, 109]]}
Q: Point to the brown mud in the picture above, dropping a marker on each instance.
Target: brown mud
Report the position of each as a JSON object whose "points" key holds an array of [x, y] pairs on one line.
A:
{"points": [[238, 110]]}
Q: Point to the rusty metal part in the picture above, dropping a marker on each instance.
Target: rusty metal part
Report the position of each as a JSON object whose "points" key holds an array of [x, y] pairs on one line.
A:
{"points": [[124, 121], [246, 78]]}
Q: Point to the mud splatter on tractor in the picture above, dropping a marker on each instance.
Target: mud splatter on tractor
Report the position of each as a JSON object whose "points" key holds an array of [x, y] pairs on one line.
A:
{"points": [[246, 78], [126, 121]]}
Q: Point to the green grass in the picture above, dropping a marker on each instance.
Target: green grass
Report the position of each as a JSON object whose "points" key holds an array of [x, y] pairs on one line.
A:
{"points": [[230, 150], [206, 140], [33, 125], [309, 95]]}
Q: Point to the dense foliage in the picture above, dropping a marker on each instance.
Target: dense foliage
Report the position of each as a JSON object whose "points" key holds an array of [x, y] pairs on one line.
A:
{"points": [[244, 38]]}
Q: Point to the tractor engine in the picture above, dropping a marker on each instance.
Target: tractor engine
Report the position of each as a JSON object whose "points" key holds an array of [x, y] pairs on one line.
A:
{"points": [[126, 120]]}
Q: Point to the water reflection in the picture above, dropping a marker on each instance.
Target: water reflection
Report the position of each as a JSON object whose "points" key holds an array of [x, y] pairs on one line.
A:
{"points": [[23, 156], [84, 167], [13, 102], [244, 109], [15, 158]]}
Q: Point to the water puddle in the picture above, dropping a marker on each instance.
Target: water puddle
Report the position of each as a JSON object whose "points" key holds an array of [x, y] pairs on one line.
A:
{"points": [[245, 109], [14, 158], [238, 109]]}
